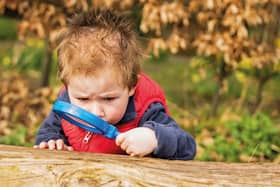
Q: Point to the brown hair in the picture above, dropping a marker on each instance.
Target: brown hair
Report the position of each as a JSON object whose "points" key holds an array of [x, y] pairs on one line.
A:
{"points": [[95, 39]]}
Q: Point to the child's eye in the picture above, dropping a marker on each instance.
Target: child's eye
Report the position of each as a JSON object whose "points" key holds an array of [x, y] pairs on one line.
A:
{"points": [[109, 98], [83, 98]]}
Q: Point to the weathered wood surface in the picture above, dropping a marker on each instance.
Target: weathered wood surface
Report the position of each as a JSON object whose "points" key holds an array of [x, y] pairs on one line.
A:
{"points": [[22, 166]]}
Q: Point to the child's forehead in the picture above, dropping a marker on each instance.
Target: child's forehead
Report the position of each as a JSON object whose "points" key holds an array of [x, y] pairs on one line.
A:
{"points": [[104, 75]]}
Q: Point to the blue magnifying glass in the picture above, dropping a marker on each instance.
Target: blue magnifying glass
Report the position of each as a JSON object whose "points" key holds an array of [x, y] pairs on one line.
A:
{"points": [[84, 119]]}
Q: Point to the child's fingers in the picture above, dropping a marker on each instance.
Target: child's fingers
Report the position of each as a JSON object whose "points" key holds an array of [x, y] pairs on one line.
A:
{"points": [[43, 145], [130, 152], [51, 144], [124, 145], [68, 148], [120, 138], [59, 144]]}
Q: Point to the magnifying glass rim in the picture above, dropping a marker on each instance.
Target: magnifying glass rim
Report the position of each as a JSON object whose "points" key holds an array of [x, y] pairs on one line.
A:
{"points": [[98, 125]]}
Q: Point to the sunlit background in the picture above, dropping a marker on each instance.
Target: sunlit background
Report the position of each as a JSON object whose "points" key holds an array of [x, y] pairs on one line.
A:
{"points": [[218, 62]]}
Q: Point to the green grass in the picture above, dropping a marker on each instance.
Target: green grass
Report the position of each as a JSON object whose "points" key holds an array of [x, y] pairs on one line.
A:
{"points": [[170, 73], [8, 29]]}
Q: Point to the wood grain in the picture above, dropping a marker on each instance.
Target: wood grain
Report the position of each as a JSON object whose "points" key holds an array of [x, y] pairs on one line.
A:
{"points": [[23, 166]]}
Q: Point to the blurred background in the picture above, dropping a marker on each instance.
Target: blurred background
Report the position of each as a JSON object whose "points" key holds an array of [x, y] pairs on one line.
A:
{"points": [[218, 62]]}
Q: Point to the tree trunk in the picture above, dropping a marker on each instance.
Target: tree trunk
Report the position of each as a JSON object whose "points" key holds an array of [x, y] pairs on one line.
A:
{"points": [[22, 166], [259, 94], [216, 99], [47, 65], [262, 81]]}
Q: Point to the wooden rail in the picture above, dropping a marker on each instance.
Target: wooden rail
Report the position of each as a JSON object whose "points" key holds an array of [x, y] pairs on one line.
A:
{"points": [[23, 166]]}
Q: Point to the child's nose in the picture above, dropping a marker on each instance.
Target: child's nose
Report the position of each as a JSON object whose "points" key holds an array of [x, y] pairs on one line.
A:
{"points": [[96, 109]]}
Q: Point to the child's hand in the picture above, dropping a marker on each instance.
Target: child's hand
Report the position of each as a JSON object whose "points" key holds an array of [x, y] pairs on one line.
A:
{"points": [[53, 145], [140, 141]]}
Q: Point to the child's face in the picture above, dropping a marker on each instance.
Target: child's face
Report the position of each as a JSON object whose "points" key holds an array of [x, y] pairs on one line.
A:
{"points": [[102, 95]]}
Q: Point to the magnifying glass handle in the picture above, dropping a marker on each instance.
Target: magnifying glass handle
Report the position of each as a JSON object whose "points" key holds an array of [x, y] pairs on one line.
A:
{"points": [[112, 133]]}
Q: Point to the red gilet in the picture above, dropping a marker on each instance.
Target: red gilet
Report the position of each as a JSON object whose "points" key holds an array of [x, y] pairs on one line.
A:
{"points": [[146, 93]]}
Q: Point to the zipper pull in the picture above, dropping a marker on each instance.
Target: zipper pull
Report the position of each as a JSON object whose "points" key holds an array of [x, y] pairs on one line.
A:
{"points": [[87, 137]]}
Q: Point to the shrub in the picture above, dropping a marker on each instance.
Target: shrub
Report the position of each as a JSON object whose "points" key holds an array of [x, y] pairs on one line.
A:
{"points": [[253, 138]]}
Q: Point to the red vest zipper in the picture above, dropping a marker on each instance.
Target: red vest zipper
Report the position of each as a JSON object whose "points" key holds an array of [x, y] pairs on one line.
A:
{"points": [[87, 137]]}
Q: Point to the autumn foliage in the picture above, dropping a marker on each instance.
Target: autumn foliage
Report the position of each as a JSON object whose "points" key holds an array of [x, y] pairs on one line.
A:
{"points": [[20, 104], [237, 36], [229, 29]]}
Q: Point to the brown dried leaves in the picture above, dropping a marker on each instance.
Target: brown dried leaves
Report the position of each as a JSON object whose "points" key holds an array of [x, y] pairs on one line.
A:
{"points": [[230, 28], [19, 104]]}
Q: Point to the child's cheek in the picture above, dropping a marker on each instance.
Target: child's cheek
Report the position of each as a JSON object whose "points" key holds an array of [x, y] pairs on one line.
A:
{"points": [[114, 116]]}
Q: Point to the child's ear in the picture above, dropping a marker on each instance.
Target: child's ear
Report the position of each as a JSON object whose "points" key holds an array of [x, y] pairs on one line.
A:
{"points": [[132, 91]]}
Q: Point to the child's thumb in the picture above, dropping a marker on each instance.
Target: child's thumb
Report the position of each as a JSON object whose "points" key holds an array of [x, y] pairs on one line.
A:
{"points": [[120, 138]]}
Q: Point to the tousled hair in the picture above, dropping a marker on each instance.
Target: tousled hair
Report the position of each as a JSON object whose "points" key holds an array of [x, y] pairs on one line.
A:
{"points": [[94, 39]]}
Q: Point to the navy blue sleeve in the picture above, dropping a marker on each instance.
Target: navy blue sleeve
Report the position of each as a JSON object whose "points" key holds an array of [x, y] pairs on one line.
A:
{"points": [[173, 142], [51, 128]]}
